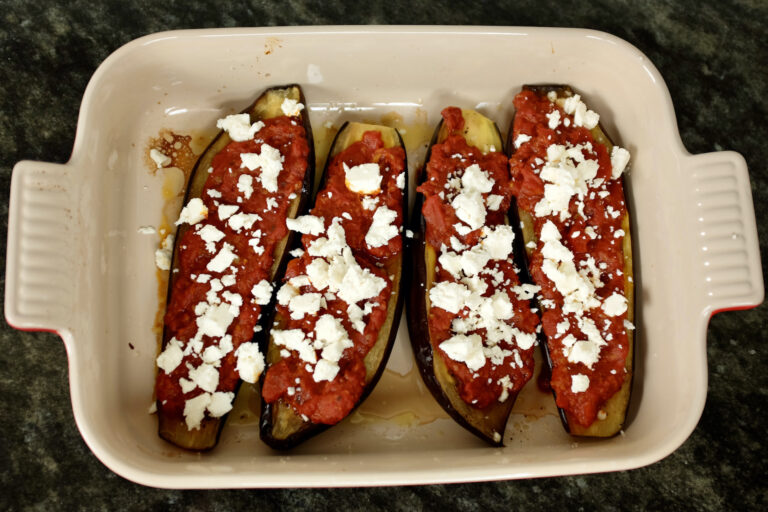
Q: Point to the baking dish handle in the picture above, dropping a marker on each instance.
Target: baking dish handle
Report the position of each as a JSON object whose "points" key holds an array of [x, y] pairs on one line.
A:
{"points": [[727, 264], [39, 267]]}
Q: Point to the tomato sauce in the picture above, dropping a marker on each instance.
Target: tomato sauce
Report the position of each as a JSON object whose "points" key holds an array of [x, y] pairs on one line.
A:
{"points": [[290, 138], [328, 402], [449, 159], [608, 373]]}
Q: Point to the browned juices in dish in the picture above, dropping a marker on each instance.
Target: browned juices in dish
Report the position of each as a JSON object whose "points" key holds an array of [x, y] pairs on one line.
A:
{"points": [[341, 293], [566, 177], [471, 325], [230, 237]]}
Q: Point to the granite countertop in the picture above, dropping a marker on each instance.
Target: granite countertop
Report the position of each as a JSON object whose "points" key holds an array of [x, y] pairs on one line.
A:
{"points": [[712, 56]]}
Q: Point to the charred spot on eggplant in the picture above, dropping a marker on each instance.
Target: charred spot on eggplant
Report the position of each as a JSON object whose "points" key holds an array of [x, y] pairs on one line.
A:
{"points": [[268, 105], [613, 413], [487, 423], [281, 427]]}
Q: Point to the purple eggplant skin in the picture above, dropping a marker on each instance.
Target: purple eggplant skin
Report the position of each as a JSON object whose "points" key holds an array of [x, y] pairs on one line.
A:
{"points": [[280, 427], [174, 430], [489, 423], [616, 407]]}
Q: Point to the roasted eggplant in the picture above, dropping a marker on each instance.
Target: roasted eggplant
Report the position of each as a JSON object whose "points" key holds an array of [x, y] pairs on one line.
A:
{"points": [[610, 415], [282, 424], [486, 417], [280, 108]]}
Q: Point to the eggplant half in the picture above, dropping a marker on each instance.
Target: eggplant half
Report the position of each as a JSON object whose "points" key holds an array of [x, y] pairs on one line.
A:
{"points": [[281, 426], [612, 414], [173, 428], [487, 423]]}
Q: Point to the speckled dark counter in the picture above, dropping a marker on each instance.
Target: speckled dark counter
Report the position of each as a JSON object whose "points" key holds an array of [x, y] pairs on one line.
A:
{"points": [[713, 59]]}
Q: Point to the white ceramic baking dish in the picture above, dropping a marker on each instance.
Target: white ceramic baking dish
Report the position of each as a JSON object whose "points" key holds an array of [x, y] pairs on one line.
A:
{"points": [[77, 266]]}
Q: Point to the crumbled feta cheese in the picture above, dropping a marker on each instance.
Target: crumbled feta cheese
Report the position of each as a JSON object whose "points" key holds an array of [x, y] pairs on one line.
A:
{"points": [[363, 179], [215, 319], [227, 210], [193, 212], [619, 161], [291, 107], [160, 159], [400, 181], [210, 235], [306, 304], [470, 209], [194, 410], [449, 296], [370, 203], [205, 376], [245, 185], [581, 116], [294, 339], [306, 224], [526, 291], [493, 201], [250, 362], [615, 305], [171, 357], [521, 139], [475, 179], [146, 230], [465, 349], [239, 221], [271, 163], [579, 383], [554, 119], [325, 370], [222, 260], [220, 404], [163, 254], [262, 292], [382, 229], [239, 127]]}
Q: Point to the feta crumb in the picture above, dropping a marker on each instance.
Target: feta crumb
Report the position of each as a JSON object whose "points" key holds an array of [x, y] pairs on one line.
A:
{"points": [[291, 108], [363, 179], [160, 159], [171, 357], [619, 161], [239, 127], [250, 362], [615, 305], [579, 383], [306, 224], [193, 212], [262, 292], [270, 161], [163, 254], [382, 229], [222, 260]]}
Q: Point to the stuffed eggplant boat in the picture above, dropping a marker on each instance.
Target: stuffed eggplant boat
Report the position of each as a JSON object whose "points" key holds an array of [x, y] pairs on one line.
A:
{"points": [[230, 245], [339, 306], [567, 181], [471, 326]]}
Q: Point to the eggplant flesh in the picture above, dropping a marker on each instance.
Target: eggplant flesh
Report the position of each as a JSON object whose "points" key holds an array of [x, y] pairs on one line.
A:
{"points": [[281, 427], [488, 423], [267, 105], [615, 409]]}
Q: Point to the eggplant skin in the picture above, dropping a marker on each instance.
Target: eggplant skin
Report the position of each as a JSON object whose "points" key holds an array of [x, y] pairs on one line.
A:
{"points": [[616, 407], [280, 427], [488, 424], [174, 430]]}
